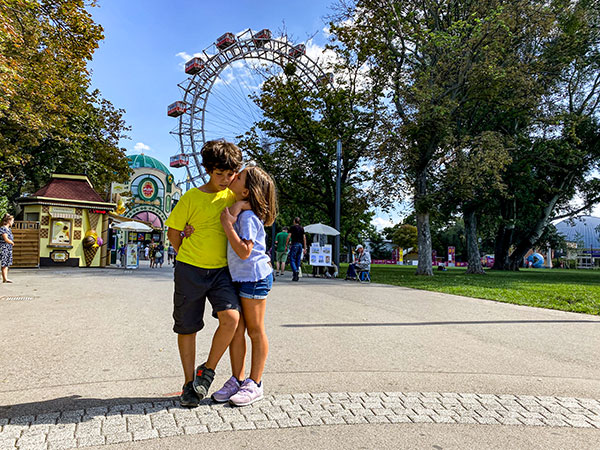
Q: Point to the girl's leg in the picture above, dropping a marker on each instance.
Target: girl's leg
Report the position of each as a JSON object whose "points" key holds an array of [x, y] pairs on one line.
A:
{"points": [[254, 315], [5, 273], [237, 351]]}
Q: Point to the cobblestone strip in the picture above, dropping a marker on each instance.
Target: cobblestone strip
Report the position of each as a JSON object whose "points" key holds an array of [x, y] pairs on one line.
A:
{"points": [[141, 421]]}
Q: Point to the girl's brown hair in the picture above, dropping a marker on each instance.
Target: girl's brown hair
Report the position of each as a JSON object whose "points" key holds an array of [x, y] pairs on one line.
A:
{"points": [[262, 194], [6, 219]]}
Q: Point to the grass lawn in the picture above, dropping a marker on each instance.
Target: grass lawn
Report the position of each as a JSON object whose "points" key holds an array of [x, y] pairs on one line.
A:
{"points": [[567, 290]]}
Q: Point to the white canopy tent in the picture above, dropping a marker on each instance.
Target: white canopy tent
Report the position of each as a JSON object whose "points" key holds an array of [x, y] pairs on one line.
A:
{"points": [[133, 226], [319, 228]]}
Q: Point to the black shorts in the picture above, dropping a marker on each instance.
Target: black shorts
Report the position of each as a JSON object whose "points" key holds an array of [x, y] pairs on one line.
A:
{"points": [[193, 285]]}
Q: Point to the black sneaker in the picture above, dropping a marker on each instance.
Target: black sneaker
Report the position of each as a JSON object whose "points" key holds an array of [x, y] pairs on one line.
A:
{"points": [[188, 397], [202, 380], [295, 276]]}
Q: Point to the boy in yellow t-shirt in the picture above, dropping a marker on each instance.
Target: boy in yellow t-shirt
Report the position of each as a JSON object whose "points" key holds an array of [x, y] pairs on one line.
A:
{"points": [[201, 271]]}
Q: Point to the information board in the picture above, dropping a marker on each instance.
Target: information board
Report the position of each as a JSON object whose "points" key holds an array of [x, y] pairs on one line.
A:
{"points": [[320, 255]]}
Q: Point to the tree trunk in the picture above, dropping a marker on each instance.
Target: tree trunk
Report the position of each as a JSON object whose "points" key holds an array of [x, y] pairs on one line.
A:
{"points": [[473, 256], [527, 243], [504, 237], [423, 230]]}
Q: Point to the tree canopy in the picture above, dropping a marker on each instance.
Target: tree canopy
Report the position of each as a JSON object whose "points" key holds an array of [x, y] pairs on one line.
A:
{"points": [[492, 109], [296, 142], [50, 121]]}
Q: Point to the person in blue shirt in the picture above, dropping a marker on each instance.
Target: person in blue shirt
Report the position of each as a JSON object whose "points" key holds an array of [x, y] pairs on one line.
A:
{"points": [[252, 274]]}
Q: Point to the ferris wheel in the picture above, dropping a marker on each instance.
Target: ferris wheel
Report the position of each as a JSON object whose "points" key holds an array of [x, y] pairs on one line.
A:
{"points": [[216, 95]]}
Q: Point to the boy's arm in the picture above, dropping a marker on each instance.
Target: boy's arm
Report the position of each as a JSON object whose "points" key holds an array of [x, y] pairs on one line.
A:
{"points": [[174, 238], [240, 246]]}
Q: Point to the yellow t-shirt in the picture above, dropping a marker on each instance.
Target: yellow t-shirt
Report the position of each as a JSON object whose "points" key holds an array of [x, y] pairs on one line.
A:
{"points": [[207, 246]]}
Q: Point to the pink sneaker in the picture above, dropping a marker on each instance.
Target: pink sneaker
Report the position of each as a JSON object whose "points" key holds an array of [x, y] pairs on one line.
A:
{"points": [[249, 393], [230, 387]]}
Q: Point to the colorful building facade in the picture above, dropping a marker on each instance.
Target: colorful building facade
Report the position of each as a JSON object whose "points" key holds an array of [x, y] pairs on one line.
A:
{"points": [[73, 222], [149, 196]]}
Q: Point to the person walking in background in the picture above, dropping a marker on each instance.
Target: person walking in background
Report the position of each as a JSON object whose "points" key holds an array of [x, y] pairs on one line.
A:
{"points": [[6, 246], [170, 254], [152, 254], [159, 255], [297, 239], [281, 251]]}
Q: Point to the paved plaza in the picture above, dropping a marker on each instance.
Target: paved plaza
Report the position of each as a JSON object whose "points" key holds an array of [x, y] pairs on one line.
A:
{"points": [[89, 360]]}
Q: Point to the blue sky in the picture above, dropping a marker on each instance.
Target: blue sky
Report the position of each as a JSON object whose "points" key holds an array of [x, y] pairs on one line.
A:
{"points": [[137, 66], [139, 63]]}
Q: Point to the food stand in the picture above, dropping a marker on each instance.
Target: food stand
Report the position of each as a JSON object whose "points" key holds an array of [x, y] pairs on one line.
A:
{"points": [[72, 219], [131, 248]]}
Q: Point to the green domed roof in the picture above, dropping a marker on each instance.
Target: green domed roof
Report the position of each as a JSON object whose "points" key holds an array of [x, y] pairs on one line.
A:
{"points": [[140, 160]]}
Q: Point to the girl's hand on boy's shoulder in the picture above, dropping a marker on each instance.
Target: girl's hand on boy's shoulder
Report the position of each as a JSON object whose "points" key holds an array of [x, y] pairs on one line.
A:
{"points": [[227, 219], [238, 207], [188, 230]]}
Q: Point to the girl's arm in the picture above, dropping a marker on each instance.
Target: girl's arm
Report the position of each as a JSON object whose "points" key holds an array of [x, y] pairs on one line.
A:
{"points": [[241, 247], [238, 207]]}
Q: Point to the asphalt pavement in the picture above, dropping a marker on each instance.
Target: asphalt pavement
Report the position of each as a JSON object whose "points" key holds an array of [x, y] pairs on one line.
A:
{"points": [[89, 359]]}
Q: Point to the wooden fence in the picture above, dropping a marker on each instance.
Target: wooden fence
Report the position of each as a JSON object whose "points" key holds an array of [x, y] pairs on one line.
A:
{"points": [[26, 252]]}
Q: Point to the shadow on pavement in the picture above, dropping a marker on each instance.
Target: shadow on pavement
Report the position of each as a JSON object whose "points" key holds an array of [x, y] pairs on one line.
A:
{"points": [[89, 407], [417, 324]]}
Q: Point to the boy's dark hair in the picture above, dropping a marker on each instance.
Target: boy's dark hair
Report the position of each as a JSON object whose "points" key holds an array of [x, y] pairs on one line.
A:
{"points": [[221, 155]]}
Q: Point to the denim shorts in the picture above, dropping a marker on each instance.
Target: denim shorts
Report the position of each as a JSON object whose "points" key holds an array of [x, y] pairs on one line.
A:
{"points": [[255, 289]]}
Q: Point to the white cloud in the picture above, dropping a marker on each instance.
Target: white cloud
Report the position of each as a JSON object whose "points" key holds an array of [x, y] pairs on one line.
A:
{"points": [[140, 147], [380, 223], [322, 56], [185, 57]]}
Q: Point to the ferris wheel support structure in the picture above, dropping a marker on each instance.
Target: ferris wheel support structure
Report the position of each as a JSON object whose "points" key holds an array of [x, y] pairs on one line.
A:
{"points": [[248, 45]]}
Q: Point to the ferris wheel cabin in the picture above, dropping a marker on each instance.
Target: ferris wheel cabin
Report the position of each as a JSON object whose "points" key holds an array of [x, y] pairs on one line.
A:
{"points": [[179, 160], [261, 37], [227, 40], [194, 65], [298, 51], [176, 109]]}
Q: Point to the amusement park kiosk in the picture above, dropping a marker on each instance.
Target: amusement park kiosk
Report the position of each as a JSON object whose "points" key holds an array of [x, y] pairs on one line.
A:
{"points": [[72, 219]]}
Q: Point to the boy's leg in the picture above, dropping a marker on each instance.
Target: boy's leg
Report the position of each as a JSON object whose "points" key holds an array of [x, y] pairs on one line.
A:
{"points": [[187, 354], [254, 316], [228, 322]]}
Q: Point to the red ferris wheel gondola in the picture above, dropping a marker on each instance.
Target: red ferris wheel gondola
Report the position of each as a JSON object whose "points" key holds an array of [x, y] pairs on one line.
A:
{"points": [[179, 160]]}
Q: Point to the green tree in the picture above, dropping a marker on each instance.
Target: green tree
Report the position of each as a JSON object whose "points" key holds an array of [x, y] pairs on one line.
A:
{"points": [[49, 120], [431, 55], [405, 236], [559, 156], [302, 125]]}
